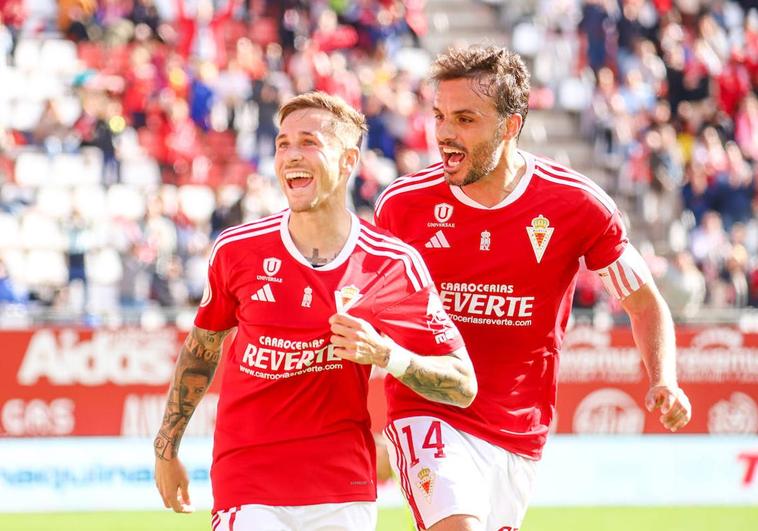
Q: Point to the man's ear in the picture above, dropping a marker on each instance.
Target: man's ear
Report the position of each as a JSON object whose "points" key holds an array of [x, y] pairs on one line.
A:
{"points": [[513, 125], [350, 160]]}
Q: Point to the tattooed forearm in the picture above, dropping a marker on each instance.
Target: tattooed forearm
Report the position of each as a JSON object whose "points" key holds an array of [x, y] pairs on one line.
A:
{"points": [[193, 374], [445, 379]]}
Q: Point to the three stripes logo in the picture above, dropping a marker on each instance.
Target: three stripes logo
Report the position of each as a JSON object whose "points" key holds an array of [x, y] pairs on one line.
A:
{"points": [[264, 294], [438, 241]]}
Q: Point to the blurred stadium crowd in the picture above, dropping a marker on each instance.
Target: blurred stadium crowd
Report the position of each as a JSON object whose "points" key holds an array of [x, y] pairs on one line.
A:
{"points": [[133, 131]]}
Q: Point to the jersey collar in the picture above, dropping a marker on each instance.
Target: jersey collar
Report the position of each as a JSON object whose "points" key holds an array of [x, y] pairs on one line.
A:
{"points": [[342, 256], [517, 192]]}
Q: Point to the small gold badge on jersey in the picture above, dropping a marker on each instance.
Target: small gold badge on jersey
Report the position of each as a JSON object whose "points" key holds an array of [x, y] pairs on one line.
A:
{"points": [[539, 235], [426, 482], [345, 298]]}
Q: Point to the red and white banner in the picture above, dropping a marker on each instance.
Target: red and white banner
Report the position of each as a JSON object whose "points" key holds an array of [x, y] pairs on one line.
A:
{"points": [[603, 382], [57, 382], [91, 382]]}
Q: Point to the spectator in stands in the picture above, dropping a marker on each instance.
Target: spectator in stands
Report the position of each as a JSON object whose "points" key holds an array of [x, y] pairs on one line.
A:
{"points": [[9, 291], [594, 28], [746, 127]]}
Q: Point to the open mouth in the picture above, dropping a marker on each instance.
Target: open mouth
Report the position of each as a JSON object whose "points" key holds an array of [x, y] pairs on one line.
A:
{"points": [[298, 179], [452, 157]]}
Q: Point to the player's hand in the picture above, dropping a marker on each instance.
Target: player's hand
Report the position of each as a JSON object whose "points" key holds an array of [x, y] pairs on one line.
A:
{"points": [[173, 484], [675, 407], [356, 340]]}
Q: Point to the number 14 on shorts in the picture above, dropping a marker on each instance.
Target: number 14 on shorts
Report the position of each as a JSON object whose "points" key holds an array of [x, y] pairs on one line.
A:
{"points": [[432, 441]]}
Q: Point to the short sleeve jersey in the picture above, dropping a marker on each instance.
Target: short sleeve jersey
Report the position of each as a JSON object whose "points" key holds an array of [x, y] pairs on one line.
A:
{"points": [[292, 425], [506, 276]]}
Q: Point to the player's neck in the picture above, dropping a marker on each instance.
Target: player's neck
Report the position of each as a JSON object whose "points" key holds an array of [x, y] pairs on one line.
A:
{"points": [[493, 188], [320, 235]]}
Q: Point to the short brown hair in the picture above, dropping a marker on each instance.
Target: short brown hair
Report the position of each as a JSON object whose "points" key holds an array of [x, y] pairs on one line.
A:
{"points": [[500, 74], [349, 124]]}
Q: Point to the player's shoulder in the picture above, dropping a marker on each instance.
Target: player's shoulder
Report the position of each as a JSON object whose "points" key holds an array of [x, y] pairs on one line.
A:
{"points": [[381, 244], [410, 186], [565, 181], [239, 237]]}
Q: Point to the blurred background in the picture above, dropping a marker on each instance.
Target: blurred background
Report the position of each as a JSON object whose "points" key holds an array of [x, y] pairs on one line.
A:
{"points": [[133, 131]]}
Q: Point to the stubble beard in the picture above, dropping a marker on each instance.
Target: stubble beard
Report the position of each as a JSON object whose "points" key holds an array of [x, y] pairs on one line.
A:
{"points": [[484, 159]]}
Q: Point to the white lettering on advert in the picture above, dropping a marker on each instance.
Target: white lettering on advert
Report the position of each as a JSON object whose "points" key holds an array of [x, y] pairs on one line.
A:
{"points": [[121, 357], [37, 417]]}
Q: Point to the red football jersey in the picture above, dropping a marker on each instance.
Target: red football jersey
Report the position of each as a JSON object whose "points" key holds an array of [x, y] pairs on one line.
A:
{"points": [[292, 425], [506, 276]]}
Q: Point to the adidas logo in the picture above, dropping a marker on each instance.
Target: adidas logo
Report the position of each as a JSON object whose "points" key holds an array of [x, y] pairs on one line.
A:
{"points": [[264, 294], [438, 241]]}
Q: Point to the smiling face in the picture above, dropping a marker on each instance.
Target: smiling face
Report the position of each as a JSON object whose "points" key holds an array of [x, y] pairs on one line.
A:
{"points": [[311, 162], [469, 130]]}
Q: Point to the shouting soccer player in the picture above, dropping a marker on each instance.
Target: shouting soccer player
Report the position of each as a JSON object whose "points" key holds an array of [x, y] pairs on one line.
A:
{"points": [[293, 447], [503, 232]]}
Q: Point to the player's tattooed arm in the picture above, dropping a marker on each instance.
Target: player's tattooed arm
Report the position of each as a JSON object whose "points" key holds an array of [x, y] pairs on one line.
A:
{"points": [[193, 374], [447, 379]]}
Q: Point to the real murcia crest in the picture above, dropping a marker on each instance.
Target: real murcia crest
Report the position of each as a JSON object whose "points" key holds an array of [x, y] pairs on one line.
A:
{"points": [[484, 242], [271, 266], [345, 298], [307, 297], [442, 212], [539, 235], [426, 482]]}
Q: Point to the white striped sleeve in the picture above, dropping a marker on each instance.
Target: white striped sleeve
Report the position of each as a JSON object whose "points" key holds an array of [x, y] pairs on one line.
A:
{"points": [[626, 275]]}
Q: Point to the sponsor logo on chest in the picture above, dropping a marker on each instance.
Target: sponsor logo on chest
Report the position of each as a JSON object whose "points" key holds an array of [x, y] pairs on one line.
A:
{"points": [[270, 266], [442, 214]]}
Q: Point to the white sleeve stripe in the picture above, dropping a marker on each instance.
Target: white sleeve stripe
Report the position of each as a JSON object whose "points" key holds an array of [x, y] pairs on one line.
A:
{"points": [[631, 280], [252, 225], [418, 274], [604, 199], [394, 243], [400, 189], [626, 275], [404, 258], [562, 171], [230, 239], [409, 179]]}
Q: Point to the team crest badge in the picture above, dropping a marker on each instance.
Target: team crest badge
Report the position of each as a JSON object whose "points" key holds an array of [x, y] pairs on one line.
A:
{"points": [[442, 212], [271, 266], [539, 235], [426, 482], [345, 298]]}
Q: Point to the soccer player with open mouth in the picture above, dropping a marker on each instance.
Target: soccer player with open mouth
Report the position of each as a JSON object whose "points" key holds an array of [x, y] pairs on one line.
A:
{"points": [[317, 297], [503, 232]]}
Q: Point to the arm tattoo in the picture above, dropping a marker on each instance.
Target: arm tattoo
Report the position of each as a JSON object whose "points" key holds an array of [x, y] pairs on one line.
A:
{"points": [[194, 371], [439, 380]]}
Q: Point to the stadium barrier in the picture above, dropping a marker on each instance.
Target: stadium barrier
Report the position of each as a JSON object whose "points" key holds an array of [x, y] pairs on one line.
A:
{"points": [[116, 473], [113, 382]]}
